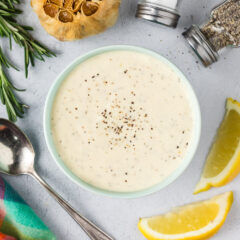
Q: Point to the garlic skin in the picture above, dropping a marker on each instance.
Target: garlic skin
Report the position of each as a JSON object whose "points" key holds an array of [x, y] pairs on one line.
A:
{"points": [[69, 20]]}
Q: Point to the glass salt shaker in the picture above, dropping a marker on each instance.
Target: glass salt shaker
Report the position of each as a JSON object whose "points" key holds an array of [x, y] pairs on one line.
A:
{"points": [[222, 30], [159, 11]]}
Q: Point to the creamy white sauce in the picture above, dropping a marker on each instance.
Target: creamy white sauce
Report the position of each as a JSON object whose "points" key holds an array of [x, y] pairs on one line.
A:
{"points": [[122, 121]]}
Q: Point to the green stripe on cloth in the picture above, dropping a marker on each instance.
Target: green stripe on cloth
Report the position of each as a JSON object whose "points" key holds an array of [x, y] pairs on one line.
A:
{"points": [[20, 221]]}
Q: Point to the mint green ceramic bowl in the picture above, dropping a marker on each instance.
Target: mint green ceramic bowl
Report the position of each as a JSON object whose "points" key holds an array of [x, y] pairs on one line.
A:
{"points": [[50, 143]]}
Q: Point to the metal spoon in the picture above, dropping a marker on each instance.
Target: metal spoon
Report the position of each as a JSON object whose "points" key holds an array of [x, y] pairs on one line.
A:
{"points": [[17, 157]]}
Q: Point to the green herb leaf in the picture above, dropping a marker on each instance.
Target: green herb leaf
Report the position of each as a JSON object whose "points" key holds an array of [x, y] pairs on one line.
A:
{"points": [[10, 28], [14, 107]]}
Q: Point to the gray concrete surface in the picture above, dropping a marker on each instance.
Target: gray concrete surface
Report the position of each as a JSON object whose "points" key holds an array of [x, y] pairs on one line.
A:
{"points": [[117, 216]]}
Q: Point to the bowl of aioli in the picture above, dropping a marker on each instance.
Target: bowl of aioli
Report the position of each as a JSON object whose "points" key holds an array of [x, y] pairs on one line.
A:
{"points": [[122, 121]]}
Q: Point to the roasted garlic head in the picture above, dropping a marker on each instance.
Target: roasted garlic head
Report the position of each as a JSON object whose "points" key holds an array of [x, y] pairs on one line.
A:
{"points": [[75, 19]]}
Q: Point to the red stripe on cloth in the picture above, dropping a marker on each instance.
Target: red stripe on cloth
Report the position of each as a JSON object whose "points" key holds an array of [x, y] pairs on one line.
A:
{"points": [[6, 237], [2, 208]]}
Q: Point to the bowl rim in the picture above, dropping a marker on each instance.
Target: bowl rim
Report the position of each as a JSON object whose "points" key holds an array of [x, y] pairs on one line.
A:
{"points": [[50, 142]]}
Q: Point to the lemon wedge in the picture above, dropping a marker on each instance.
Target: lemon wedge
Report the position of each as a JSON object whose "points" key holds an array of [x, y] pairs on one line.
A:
{"points": [[223, 161], [196, 221]]}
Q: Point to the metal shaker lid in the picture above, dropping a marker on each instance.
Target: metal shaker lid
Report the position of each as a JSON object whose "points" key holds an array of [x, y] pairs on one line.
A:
{"points": [[201, 45], [158, 14]]}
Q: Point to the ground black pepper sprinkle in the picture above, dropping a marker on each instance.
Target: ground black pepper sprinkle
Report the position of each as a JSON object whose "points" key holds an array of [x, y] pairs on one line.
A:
{"points": [[223, 29], [123, 122]]}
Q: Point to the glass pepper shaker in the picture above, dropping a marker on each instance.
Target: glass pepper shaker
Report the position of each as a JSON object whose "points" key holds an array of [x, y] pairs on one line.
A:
{"points": [[159, 11], [222, 30]]}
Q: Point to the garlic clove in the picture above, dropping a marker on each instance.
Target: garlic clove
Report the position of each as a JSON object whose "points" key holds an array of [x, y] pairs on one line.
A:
{"points": [[77, 5], [51, 9], [65, 16], [56, 2], [68, 4], [89, 8]]}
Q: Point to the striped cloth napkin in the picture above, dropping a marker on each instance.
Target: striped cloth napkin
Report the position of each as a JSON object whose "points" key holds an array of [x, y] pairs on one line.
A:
{"points": [[17, 219]]}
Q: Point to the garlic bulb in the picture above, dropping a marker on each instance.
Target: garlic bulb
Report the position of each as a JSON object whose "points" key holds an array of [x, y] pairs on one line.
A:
{"points": [[75, 19]]}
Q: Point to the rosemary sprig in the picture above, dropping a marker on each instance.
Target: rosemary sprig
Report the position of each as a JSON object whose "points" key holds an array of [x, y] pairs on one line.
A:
{"points": [[13, 106], [10, 28], [20, 34], [10, 3]]}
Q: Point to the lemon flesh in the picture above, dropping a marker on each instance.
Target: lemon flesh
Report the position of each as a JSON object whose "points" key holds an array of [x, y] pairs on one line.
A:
{"points": [[223, 161], [197, 221]]}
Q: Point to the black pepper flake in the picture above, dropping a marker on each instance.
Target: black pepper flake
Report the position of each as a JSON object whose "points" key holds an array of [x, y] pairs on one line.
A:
{"points": [[121, 121], [223, 28], [125, 71]]}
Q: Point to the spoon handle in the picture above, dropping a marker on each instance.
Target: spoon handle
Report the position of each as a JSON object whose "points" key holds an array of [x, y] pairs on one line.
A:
{"points": [[92, 231]]}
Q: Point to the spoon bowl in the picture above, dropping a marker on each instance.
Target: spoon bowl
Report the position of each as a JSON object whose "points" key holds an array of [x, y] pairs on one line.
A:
{"points": [[17, 157], [17, 153]]}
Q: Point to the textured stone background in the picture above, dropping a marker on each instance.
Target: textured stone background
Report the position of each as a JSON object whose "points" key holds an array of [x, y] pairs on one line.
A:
{"points": [[116, 216]]}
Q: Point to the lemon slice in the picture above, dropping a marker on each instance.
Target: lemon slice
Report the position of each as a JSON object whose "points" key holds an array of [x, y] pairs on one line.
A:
{"points": [[223, 161], [197, 221]]}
